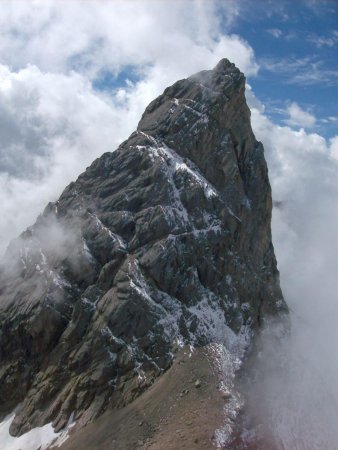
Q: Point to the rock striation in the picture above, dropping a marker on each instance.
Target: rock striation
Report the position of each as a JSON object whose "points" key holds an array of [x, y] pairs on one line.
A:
{"points": [[165, 242]]}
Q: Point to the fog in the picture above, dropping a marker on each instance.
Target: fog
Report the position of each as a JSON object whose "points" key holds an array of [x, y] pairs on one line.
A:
{"points": [[295, 392]]}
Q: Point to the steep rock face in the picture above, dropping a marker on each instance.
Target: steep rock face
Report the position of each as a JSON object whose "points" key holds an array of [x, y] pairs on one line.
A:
{"points": [[165, 242]]}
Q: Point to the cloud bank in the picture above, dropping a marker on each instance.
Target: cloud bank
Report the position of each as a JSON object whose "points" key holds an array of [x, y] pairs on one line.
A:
{"points": [[297, 389]]}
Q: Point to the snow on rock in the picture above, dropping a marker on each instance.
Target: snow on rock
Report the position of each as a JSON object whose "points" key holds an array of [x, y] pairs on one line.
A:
{"points": [[39, 438], [34, 439], [178, 163], [163, 199], [101, 227], [228, 357]]}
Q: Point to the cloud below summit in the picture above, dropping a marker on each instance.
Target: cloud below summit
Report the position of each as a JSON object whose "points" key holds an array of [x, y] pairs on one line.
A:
{"points": [[303, 172]]}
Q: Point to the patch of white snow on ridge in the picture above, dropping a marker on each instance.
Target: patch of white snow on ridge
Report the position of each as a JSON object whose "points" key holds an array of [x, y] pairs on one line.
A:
{"points": [[100, 226], [32, 440], [226, 352], [228, 359], [210, 320], [58, 280], [151, 138], [169, 312], [163, 151], [181, 164]]}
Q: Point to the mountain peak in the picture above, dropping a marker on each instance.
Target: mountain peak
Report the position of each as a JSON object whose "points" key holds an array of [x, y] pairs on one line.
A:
{"points": [[201, 92], [221, 77], [163, 244]]}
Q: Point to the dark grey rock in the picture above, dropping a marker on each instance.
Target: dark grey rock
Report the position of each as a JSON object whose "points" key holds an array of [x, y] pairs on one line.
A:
{"points": [[163, 242]]}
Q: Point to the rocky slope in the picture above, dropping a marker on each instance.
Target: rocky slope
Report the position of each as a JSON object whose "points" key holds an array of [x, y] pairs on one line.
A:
{"points": [[163, 243], [170, 415]]}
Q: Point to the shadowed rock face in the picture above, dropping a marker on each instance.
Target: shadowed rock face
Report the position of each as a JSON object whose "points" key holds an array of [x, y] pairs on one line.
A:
{"points": [[164, 242]]}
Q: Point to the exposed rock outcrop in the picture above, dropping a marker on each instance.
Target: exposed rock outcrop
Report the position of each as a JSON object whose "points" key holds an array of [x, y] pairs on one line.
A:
{"points": [[164, 242]]}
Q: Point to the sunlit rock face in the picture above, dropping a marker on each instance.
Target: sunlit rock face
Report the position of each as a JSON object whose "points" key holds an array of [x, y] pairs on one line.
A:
{"points": [[165, 242]]}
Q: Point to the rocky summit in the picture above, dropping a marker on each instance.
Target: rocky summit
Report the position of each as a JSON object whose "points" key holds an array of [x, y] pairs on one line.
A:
{"points": [[160, 250]]}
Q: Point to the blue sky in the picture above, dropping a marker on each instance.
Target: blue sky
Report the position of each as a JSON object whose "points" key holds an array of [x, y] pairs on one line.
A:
{"points": [[296, 46]]}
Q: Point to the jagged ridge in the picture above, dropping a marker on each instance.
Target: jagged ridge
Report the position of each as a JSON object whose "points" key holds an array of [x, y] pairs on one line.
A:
{"points": [[162, 243]]}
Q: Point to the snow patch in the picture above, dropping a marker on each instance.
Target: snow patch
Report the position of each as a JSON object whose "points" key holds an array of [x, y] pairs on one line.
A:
{"points": [[87, 252], [234, 215], [58, 280], [86, 301], [101, 227], [37, 438], [228, 358], [185, 165]]}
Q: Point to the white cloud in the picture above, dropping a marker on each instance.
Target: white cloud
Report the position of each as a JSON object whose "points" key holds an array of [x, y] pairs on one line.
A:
{"points": [[52, 122], [304, 71], [275, 32], [111, 34], [330, 119], [334, 148], [54, 125], [323, 41], [301, 396], [298, 117]]}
